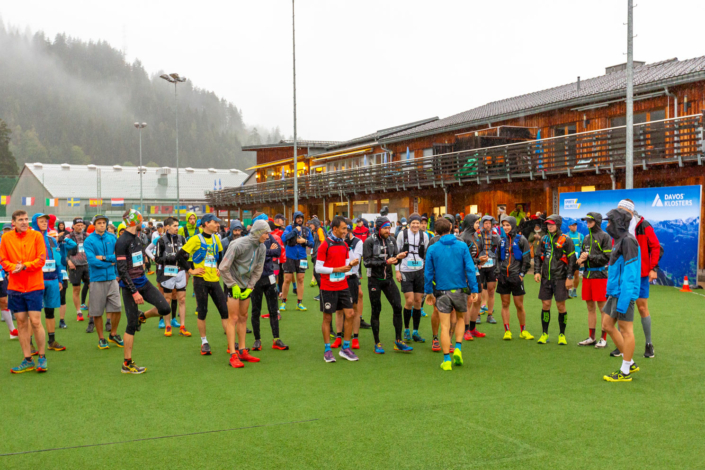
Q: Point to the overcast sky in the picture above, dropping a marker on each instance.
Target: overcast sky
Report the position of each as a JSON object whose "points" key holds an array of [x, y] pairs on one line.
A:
{"points": [[367, 65]]}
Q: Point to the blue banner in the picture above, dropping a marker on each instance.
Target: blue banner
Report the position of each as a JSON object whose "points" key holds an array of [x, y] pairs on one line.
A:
{"points": [[673, 212]]}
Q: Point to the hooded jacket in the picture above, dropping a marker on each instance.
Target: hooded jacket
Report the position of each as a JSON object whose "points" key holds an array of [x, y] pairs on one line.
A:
{"points": [[649, 245], [555, 258], [77, 255], [361, 232], [189, 230], [295, 250], [375, 252], [229, 235], [166, 249], [514, 256], [29, 249], [489, 243], [101, 245], [449, 264], [624, 280], [318, 234], [470, 236], [52, 250], [598, 246], [243, 263]]}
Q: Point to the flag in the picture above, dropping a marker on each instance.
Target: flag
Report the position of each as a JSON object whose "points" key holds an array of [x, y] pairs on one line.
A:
{"points": [[154, 209], [195, 208], [182, 209], [27, 201], [4, 200], [167, 209], [220, 184], [117, 202], [95, 202], [52, 202], [214, 188], [73, 202], [208, 209]]}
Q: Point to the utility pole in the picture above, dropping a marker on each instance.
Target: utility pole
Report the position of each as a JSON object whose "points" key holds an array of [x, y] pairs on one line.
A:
{"points": [[176, 79], [139, 127], [630, 97], [296, 160]]}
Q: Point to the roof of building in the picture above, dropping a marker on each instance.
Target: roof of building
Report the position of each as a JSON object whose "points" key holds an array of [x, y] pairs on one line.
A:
{"points": [[646, 77], [375, 136], [317, 144], [83, 181]]}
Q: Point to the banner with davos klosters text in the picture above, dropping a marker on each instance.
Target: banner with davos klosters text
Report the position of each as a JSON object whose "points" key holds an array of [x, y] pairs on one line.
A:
{"points": [[674, 213]]}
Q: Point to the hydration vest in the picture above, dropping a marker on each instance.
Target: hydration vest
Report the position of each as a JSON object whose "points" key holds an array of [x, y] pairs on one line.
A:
{"points": [[421, 247]]}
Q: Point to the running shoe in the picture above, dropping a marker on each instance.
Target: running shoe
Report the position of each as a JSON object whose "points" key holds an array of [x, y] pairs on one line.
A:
{"points": [[618, 377], [436, 345], [446, 365], [649, 351], [313, 283], [407, 335], [245, 356], [491, 320], [183, 331], [91, 327], [478, 334], [355, 343], [337, 343], [108, 325], [348, 354], [142, 318], [328, 356], [84, 307], [458, 357], [103, 344], [587, 342], [167, 330], [132, 368], [601, 344], [42, 364], [507, 335], [175, 323], [282, 307], [364, 325], [526, 335], [150, 273], [236, 362], [247, 331], [483, 309], [332, 336], [161, 323], [467, 336], [543, 339], [402, 347], [379, 349], [561, 340], [301, 307], [257, 345], [62, 324], [279, 344], [34, 351], [266, 315], [633, 368], [25, 366], [423, 313], [116, 340], [14, 334], [205, 349], [417, 338], [54, 346], [616, 353], [479, 319]]}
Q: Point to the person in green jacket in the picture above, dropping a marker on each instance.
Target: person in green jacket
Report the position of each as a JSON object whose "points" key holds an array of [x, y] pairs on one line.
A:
{"points": [[518, 213], [190, 229]]}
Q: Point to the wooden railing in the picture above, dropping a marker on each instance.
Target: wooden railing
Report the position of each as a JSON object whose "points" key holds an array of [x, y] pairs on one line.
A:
{"points": [[670, 141]]}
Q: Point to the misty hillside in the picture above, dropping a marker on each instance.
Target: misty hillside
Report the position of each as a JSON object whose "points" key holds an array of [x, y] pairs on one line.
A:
{"points": [[66, 100]]}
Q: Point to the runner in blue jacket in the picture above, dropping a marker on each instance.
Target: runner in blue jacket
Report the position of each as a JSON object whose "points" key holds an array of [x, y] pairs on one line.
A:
{"points": [[296, 238]]}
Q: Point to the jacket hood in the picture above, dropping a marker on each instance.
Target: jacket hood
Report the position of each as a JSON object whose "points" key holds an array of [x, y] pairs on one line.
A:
{"points": [[258, 228], [469, 222], [52, 222], [380, 221], [597, 217], [513, 222], [297, 214], [315, 222], [619, 220], [191, 227], [487, 217], [448, 239], [35, 225], [236, 224], [557, 219]]}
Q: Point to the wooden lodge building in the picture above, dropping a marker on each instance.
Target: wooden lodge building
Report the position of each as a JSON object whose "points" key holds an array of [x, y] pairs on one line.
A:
{"points": [[526, 149]]}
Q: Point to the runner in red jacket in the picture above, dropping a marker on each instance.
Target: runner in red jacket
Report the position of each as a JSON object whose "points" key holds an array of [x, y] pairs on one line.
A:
{"points": [[360, 231]]}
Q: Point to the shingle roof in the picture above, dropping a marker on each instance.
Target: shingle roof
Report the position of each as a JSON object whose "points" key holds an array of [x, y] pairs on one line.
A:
{"points": [[646, 77], [372, 138], [317, 144], [81, 181]]}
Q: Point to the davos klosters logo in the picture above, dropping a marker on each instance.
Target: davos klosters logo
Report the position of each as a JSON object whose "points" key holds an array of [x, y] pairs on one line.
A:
{"points": [[671, 200], [571, 204]]}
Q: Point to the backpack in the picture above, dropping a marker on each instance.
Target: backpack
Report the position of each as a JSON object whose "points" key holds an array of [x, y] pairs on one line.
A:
{"points": [[421, 247], [200, 254]]}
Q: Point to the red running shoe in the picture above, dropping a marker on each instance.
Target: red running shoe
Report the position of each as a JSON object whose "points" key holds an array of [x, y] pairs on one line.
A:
{"points": [[477, 334], [235, 362], [451, 350], [14, 334], [245, 356], [79, 316], [436, 346], [468, 336], [336, 343], [355, 343], [266, 315]]}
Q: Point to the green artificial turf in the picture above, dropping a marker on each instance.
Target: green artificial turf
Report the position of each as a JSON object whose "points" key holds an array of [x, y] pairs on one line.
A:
{"points": [[512, 405]]}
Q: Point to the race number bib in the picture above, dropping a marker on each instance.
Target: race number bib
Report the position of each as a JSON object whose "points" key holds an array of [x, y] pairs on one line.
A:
{"points": [[80, 248], [2, 275], [416, 263], [64, 275], [489, 263], [337, 277], [272, 279], [209, 262], [171, 271], [137, 259], [303, 264], [49, 266]]}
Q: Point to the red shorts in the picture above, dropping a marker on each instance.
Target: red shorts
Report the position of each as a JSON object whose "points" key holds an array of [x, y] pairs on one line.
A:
{"points": [[595, 289]]}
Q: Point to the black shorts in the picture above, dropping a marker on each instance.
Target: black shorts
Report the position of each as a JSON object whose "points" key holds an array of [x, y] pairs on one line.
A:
{"points": [[169, 291], [293, 266], [3, 286], [555, 288], [79, 274], [514, 285], [412, 281], [487, 275], [203, 290], [334, 300], [354, 288]]}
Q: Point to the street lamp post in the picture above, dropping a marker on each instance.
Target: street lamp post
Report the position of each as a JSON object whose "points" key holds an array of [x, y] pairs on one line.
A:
{"points": [[176, 79], [140, 126]]}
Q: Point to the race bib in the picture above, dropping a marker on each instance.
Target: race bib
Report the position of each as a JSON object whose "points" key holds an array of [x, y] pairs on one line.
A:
{"points": [[80, 248], [137, 259], [303, 264], [64, 275], [416, 263], [337, 277], [49, 266], [272, 279], [2, 275], [171, 271], [209, 262], [489, 263]]}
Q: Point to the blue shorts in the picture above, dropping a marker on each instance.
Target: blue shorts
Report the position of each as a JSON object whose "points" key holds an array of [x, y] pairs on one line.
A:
{"points": [[644, 288], [25, 301], [52, 294]]}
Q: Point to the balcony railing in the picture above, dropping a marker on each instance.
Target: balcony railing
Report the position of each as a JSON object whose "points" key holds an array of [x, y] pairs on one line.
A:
{"points": [[669, 141]]}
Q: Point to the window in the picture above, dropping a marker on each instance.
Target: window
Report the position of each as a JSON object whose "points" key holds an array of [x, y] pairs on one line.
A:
{"points": [[428, 152]]}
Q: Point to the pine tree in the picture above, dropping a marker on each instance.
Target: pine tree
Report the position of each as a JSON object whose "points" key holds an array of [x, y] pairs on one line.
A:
{"points": [[8, 165]]}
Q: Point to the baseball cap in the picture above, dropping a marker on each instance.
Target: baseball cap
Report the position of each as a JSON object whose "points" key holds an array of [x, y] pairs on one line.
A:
{"points": [[550, 221], [211, 218], [279, 216], [7, 226], [573, 223], [98, 217], [41, 215], [78, 220]]}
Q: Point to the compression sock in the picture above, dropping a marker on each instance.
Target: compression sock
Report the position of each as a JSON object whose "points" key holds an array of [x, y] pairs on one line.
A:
{"points": [[562, 317], [604, 335], [339, 334], [416, 315], [545, 320], [7, 318], [592, 333], [506, 327], [407, 318], [522, 328], [355, 335], [467, 327], [472, 325], [174, 308], [446, 357], [646, 324], [327, 347], [84, 293], [51, 337], [458, 346]]}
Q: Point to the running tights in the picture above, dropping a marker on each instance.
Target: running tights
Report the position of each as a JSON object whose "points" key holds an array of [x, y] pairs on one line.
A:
{"points": [[375, 288]]}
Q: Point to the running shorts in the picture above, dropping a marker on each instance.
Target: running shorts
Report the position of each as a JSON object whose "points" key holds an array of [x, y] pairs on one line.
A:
{"points": [[412, 281], [594, 289], [514, 285], [334, 300], [555, 288]]}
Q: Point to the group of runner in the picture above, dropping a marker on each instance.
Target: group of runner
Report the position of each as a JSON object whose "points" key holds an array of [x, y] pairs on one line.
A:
{"points": [[445, 270]]}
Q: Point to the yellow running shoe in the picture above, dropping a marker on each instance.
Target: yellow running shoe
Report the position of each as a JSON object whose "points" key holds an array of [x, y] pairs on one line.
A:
{"points": [[526, 335], [617, 377], [507, 335], [167, 331], [445, 365], [561, 340], [543, 339], [458, 357]]}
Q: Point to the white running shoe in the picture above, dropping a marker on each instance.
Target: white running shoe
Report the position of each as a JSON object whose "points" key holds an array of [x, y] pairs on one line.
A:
{"points": [[587, 342], [601, 344]]}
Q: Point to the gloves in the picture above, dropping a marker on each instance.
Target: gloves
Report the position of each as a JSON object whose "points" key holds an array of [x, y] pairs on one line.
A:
{"points": [[240, 294], [245, 294], [235, 291]]}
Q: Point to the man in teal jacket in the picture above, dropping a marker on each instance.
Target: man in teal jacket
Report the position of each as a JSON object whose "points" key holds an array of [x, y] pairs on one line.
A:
{"points": [[577, 238]]}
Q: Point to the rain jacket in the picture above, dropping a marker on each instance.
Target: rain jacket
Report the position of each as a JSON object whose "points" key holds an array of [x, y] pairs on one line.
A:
{"points": [[650, 246], [361, 232], [189, 230], [77, 254], [514, 255], [101, 245], [243, 263], [449, 264], [29, 249], [295, 250], [624, 280], [555, 258], [277, 234], [375, 252], [52, 250], [598, 246], [577, 238], [319, 236]]}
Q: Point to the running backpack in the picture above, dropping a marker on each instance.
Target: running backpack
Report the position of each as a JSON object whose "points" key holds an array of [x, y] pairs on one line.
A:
{"points": [[200, 254]]}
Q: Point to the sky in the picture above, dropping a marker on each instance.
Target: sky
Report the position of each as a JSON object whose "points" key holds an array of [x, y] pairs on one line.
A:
{"points": [[368, 65]]}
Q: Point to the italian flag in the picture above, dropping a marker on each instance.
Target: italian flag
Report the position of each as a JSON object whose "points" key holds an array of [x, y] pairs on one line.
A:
{"points": [[52, 202]]}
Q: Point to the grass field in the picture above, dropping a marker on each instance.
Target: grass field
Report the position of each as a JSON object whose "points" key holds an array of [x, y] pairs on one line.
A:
{"points": [[512, 405]]}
